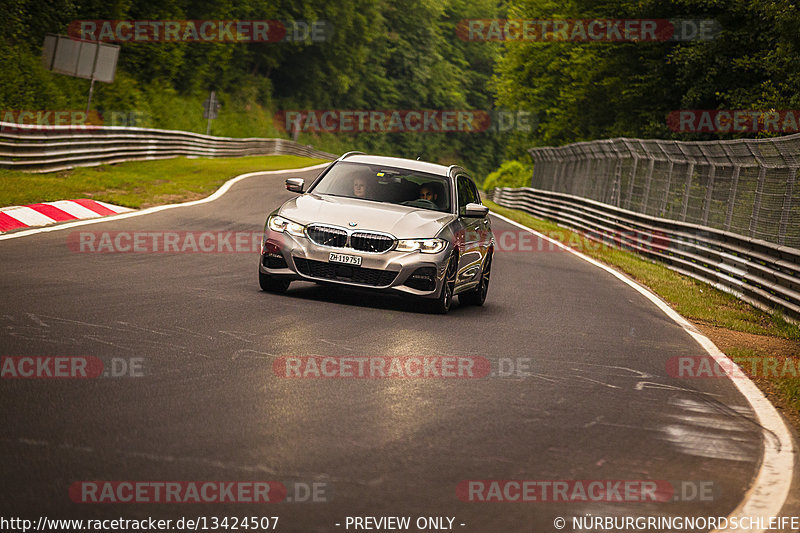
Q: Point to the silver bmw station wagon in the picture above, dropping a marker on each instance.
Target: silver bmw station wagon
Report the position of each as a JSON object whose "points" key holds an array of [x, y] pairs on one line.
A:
{"points": [[385, 223]]}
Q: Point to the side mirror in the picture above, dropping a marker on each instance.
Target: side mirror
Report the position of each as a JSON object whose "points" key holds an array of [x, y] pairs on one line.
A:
{"points": [[295, 184], [475, 211]]}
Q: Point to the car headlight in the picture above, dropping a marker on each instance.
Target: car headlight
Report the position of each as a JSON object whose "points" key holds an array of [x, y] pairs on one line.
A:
{"points": [[426, 246], [280, 224]]}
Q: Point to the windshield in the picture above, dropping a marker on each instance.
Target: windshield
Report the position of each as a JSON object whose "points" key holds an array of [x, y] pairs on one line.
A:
{"points": [[386, 184]]}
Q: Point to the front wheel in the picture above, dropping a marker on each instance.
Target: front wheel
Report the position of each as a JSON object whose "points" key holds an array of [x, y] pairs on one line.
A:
{"points": [[271, 284], [442, 304], [477, 296]]}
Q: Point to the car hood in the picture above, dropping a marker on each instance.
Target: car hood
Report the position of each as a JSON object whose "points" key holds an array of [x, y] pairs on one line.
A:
{"points": [[402, 221]]}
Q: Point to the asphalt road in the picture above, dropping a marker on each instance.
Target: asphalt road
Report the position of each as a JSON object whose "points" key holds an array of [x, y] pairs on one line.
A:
{"points": [[598, 404]]}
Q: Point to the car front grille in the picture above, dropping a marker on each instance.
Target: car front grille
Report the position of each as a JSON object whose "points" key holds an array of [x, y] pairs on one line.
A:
{"points": [[327, 236], [362, 241], [370, 242], [354, 274]]}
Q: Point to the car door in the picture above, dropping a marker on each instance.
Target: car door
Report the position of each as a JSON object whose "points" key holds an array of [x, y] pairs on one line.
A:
{"points": [[472, 233], [485, 231]]}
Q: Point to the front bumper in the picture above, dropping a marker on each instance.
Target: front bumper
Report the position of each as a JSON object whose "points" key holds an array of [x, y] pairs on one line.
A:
{"points": [[410, 273]]}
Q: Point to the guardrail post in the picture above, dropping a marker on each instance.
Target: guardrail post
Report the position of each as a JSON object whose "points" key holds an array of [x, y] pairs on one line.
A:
{"points": [[538, 166], [587, 173], [612, 196], [615, 188], [533, 173], [569, 169], [547, 177], [631, 153], [648, 182], [732, 196], [554, 168], [688, 186], [629, 196], [586, 167], [787, 206], [663, 207], [709, 193], [762, 174], [560, 172]]}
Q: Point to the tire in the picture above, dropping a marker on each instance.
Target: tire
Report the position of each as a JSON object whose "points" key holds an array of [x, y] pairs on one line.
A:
{"points": [[477, 296], [441, 305], [271, 284]]}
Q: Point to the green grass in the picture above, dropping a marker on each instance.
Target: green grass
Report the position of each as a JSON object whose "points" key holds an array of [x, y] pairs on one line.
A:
{"points": [[781, 372], [693, 299], [138, 183]]}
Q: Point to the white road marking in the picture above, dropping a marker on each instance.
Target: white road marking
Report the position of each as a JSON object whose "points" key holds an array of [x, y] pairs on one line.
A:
{"points": [[770, 489]]}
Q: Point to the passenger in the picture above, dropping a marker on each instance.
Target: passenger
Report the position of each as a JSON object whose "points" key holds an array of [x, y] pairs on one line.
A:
{"points": [[360, 187]]}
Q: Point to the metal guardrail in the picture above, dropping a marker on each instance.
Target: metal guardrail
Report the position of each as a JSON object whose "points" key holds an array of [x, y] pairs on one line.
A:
{"points": [[50, 148], [764, 274], [745, 186]]}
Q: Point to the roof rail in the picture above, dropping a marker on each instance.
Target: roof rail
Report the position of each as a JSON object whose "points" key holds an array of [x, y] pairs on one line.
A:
{"points": [[354, 152]]}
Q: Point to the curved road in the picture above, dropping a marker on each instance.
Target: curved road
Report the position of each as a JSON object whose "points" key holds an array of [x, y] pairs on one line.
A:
{"points": [[598, 403]]}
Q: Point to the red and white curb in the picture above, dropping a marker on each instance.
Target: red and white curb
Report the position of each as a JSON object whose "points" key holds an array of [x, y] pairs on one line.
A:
{"points": [[141, 212], [26, 216]]}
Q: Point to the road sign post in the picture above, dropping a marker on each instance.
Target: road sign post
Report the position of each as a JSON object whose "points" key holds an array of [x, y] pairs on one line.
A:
{"points": [[211, 108], [90, 60]]}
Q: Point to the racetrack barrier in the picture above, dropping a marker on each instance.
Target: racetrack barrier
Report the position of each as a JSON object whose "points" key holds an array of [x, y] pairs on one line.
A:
{"points": [[723, 212], [37, 148]]}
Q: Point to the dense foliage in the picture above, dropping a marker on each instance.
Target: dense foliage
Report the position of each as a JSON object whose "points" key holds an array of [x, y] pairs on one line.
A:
{"points": [[510, 174], [406, 55], [585, 91]]}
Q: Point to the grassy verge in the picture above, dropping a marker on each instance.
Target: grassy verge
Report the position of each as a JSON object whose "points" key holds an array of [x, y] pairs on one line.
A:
{"points": [[740, 330], [138, 183], [776, 374]]}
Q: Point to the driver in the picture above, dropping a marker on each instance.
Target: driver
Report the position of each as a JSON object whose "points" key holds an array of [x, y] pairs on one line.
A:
{"points": [[428, 192]]}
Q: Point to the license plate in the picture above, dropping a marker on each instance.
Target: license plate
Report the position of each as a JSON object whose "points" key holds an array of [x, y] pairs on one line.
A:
{"points": [[344, 259]]}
